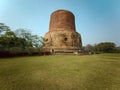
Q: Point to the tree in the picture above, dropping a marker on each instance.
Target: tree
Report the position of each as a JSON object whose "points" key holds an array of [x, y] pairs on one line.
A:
{"points": [[26, 35], [90, 48], [3, 28], [9, 34], [19, 41], [36, 41], [117, 50], [105, 47]]}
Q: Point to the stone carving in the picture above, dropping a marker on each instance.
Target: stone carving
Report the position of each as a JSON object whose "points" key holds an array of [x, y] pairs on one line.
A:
{"points": [[62, 35]]}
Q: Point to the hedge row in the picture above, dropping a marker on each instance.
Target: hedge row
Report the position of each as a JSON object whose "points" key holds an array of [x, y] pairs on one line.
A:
{"points": [[7, 54]]}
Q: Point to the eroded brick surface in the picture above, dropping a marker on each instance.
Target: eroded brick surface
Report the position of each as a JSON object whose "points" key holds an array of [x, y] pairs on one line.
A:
{"points": [[62, 35]]}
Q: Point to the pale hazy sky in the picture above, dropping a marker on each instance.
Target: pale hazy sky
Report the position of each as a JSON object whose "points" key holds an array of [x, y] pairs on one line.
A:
{"points": [[96, 20]]}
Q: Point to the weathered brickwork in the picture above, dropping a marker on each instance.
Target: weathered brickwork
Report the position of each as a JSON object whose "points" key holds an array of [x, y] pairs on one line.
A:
{"points": [[62, 35]]}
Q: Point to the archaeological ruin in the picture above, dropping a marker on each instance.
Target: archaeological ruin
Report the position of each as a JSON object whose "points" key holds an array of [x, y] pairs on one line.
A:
{"points": [[62, 36]]}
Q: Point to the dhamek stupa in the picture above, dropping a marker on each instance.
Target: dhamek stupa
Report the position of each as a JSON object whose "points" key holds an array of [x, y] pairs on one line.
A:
{"points": [[62, 36]]}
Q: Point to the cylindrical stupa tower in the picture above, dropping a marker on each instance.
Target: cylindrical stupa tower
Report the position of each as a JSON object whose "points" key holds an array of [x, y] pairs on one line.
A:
{"points": [[62, 20], [62, 36]]}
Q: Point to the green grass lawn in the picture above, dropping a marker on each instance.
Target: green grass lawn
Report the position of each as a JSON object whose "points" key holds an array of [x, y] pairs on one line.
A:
{"points": [[61, 72]]}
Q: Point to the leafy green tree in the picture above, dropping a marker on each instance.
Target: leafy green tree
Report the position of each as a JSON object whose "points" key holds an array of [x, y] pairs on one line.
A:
{"points": [[22, 33], [36, 41], [105, 47], [4, 40], [90, 48], [117, 49], [19, 41], [3, 28], [9, 34]]}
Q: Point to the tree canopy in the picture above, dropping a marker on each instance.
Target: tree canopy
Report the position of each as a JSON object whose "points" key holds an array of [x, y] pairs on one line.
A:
{"points": [[103, 47], [18, 41]]}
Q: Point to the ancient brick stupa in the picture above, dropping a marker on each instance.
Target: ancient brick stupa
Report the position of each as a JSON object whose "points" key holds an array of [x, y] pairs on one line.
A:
{"points": [[62, 36]]}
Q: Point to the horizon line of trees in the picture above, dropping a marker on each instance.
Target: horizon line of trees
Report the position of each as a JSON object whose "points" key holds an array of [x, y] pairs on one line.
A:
{"points": [[103, 47], [19, 42], [22, 42]]}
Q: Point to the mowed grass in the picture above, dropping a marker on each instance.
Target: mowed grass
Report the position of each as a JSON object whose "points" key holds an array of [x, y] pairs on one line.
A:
{"points": [[61, 72]]}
